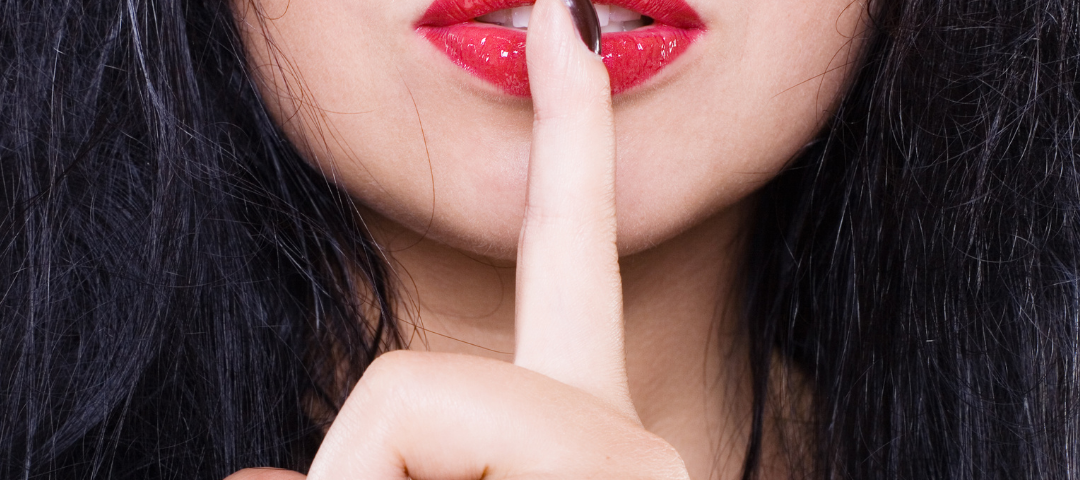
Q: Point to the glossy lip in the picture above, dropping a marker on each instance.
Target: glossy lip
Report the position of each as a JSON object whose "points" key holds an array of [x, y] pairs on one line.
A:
{"points": [[497, 54]]}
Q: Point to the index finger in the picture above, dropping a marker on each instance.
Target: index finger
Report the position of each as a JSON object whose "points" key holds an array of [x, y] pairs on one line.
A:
{"points": [[569, 323]]}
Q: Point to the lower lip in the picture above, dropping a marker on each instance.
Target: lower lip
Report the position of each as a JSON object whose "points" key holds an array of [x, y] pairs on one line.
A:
{"points": [[497, 54]]}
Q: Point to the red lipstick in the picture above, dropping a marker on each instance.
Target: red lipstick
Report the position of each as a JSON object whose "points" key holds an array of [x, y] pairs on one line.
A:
{"points": [[496, 54]]}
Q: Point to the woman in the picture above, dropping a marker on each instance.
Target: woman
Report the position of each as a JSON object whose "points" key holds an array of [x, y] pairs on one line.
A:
{"points": [[187, 297]]}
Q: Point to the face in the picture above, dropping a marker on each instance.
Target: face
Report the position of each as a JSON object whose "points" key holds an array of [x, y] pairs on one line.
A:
{"points": [[427, 138]]}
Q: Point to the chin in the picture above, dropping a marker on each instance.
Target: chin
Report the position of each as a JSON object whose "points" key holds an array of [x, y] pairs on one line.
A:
{"points": [[488, 227]]}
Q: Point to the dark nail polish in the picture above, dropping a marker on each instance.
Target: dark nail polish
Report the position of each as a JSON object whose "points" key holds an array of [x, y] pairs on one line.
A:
{"points": [[588, 25]]}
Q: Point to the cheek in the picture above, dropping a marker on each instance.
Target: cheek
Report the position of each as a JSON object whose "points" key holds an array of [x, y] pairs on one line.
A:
{"points": [[360, 101], [371, 105], [766, 81]]}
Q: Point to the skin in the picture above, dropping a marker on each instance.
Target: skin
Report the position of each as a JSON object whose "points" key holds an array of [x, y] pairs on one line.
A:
{"points": [[613, 291]]}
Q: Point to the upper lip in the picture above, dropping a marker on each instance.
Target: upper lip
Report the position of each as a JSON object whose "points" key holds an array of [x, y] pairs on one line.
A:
{"points": [[441, 13]]}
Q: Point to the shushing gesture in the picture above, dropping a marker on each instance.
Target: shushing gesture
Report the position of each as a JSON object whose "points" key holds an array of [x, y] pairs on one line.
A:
{"points": [[563, 408]]}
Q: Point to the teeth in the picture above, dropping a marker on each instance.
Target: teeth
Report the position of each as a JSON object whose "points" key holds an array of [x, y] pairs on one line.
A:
{"points": [[501, 17], [615, 27], [611, 28], [619, 14], [602, 12], [521, 16], [612, 18]]}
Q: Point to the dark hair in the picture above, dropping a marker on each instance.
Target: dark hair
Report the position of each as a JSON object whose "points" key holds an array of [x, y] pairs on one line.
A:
{"points": [[921, 260], [178, 289]]}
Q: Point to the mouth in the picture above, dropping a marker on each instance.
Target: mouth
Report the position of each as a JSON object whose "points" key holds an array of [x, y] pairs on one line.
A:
{"points": [[486, 38]]}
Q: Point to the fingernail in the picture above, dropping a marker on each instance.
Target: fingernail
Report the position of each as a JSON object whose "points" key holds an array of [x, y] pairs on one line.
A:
{"points": [[588, 25]]}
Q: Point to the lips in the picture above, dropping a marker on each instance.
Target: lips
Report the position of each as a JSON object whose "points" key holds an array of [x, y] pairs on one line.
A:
{"points": [[496, 54]]}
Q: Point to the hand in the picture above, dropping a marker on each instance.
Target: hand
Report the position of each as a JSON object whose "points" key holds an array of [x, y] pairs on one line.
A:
{"points": [[563, 408]]}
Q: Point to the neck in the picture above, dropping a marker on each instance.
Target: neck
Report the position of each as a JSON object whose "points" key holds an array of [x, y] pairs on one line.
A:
{"points": [[686, 349]]}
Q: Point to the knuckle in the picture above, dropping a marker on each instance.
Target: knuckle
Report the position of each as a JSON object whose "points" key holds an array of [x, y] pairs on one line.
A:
{"points": [[537, 216], [566, 214], [385, 382], [583, 95], [392, 371]]}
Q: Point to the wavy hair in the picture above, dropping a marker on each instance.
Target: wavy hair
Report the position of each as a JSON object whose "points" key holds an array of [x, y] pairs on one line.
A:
{"points": [[921, 260], [178, 288]]}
